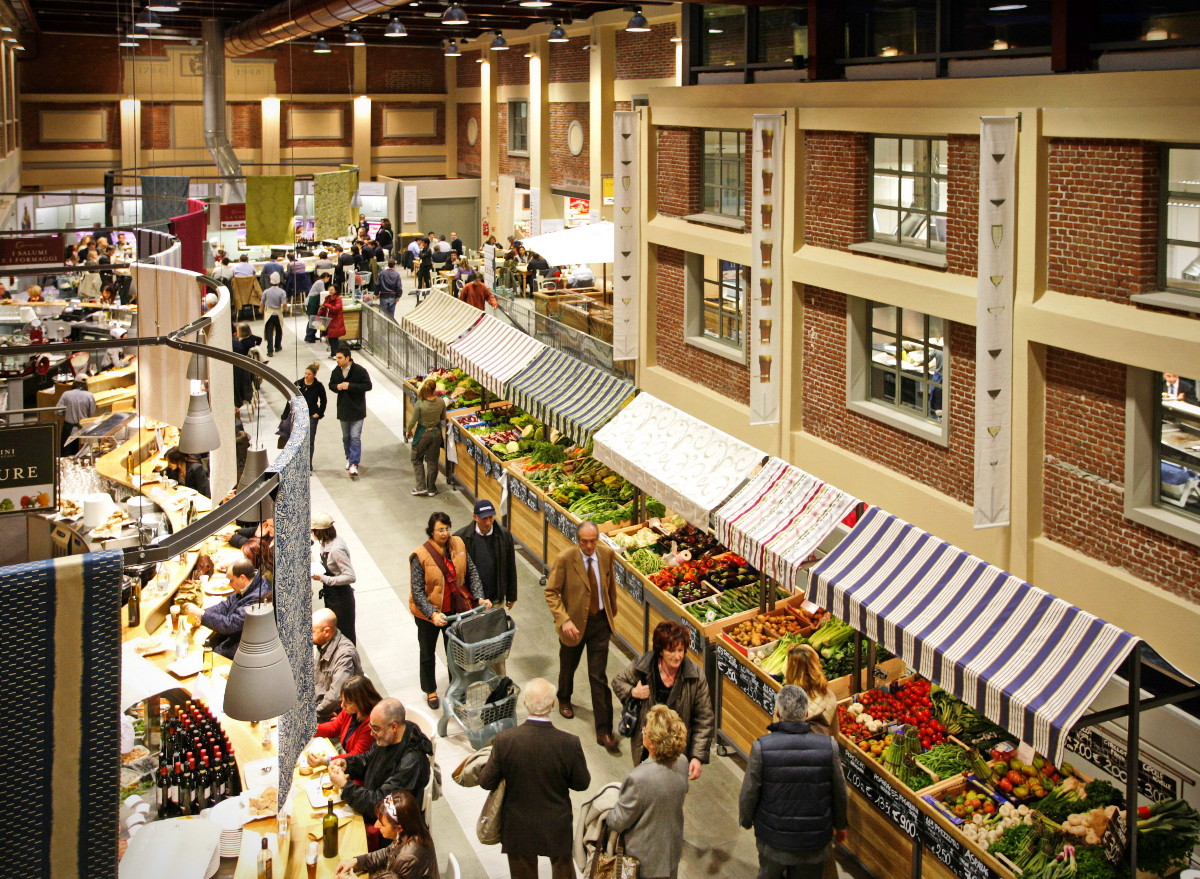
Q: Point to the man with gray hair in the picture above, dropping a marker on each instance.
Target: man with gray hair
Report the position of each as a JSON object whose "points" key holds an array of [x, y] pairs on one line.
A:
{"points": [[794, 793], [399, 760], [540, 766], [273, 300]]}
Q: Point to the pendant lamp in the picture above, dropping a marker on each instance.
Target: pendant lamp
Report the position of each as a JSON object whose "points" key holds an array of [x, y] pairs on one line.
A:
{"points": [[452, 50], [396, 29], [321, 48], [637, 23], [256, 466], [163, 6], [354, 38], [198, 434], [148, 19], [197, 370], [455, 15], [499, 44], [261, 684], [557, 34]]}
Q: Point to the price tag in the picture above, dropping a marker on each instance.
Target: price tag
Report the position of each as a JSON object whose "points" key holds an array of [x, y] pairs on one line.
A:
{"points": [[970, 867], [766, 698], [1101, 749], [694, 639], [748, 682], [1025, 752], [727, 664], [1116, 839], [858, 776], [896, 806], [940, 842]]}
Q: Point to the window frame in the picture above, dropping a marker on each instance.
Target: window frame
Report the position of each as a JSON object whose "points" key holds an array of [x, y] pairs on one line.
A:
{"points": [[1165, 195], [929, 213], [512, 129], [736, 315], [695, 311], [722, 161]]}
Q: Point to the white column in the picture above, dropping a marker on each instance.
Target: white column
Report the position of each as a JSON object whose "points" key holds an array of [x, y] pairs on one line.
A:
{"points": [[270, 135], [362, 138]]}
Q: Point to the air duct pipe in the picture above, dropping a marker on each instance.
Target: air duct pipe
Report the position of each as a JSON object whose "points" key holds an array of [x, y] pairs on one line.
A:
{"points": [[216, 138], [297, 19]]}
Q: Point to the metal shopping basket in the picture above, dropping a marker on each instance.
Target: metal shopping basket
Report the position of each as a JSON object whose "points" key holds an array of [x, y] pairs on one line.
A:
{"points": [[472, 682]]}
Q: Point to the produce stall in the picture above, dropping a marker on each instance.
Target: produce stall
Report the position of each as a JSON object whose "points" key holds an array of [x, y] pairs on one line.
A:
{"points": [[492, 352], [567, 394], [439, 321], [959, 768]]}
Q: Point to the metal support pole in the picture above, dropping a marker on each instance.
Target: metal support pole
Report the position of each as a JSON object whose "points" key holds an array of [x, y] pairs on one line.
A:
{"points": [[762, 593], [770, 585], [918, 849], [858, 658], [870, 665], [1132, 749]]}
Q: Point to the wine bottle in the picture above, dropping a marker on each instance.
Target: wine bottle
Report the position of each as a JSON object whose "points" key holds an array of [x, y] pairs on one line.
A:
{"points": [[210, 786], [233, 782], [329, 832], [196, 805], [163, 785], [185, 789], [264, 861], [135, 604], [176, 805], [218, 775]]}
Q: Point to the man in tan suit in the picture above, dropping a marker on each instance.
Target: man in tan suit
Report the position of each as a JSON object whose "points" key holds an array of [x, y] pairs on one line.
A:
{"points": [[582, 595]]}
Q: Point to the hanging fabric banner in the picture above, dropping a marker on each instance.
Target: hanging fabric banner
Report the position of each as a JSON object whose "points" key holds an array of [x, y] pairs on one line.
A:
{"points": [[993, 334], [352, 211], [626, 304], [765, 257], [535, 214], [332, 192], [162, 198], [270, 208]]}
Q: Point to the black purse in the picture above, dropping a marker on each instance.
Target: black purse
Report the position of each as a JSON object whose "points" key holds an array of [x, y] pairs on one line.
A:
{"points": [[631, 716]]}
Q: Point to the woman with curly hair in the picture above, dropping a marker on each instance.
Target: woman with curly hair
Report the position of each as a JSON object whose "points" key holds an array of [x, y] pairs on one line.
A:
{"points": [[804, 671]]}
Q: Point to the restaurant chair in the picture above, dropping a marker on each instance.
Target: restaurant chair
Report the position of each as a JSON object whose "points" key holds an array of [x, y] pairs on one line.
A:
{"points": [[452, 870]]}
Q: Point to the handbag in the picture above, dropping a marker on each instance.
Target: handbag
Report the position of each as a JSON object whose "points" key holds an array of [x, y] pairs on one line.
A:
{"points": [[285, 430], [618, 865], [482, 626], [631, 715], [487, 828]]}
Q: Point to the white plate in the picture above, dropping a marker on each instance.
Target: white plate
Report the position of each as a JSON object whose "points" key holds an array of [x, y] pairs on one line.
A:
{"points": [[318, 799], [190, 665]]}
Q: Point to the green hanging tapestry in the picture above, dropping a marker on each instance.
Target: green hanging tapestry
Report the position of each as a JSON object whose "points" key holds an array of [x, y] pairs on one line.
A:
{"points": [[352, 211], [270, 210], [332, 193]]}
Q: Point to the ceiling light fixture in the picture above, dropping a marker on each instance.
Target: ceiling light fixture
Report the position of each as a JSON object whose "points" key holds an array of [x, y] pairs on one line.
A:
{"points": [[676, 39], [499, 44], [322, 47], [130, 41], [354, 38], [534, 4], [148, 19], [162, 6], [637, 23], [715, 30], [5, 28], [455, 15], [557, 34], [452, 50], [1007, 7], [395, 29]]}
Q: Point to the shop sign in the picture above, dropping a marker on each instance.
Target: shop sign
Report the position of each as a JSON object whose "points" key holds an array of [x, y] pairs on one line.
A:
{"points": [[42, 250], [29, 468], [233, 216], [579, 205]]}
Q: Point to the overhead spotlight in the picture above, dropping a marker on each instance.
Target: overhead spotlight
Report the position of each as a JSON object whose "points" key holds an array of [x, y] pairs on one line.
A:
{"points": [[322, 47], [455, 15], [1007, 7], [129, 41], [534, 4], [354, 38], [5, 29], [676, 39], [499, 44], [452, 50], [148, 19], [527, 55], [637, 24], [162, 6], [395, 29], [557, 34], [478, 60]]}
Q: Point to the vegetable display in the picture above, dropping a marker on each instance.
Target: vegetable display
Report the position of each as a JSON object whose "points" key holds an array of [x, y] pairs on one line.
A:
{"points": [[945, 759], [647, 561]]}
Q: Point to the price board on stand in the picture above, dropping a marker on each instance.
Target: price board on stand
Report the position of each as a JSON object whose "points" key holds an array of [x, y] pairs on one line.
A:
{"points": [[727, 664]]}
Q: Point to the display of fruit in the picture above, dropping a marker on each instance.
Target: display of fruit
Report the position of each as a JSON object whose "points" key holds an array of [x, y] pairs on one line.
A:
{"points": [[784, 623], [731, 572], [967, 802]]}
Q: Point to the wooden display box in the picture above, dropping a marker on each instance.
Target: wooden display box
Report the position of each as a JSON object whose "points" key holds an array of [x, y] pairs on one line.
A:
{"points": [[628, 622], [525, 523]]}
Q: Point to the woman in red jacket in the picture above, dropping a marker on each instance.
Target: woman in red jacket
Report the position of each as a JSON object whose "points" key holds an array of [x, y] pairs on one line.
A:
{"points": [[350, 727], [332, 309]]}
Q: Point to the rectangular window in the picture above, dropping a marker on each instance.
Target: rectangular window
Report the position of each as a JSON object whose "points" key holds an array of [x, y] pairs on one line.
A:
{"points": [[908, 191], [908, 353], [1179, 249], [1178, 429], [724, 172], [723, 35], [723, 296], [518, 128]]}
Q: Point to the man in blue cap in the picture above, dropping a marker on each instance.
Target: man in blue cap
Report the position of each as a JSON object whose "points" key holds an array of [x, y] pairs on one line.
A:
{"points": [[490, 547]]}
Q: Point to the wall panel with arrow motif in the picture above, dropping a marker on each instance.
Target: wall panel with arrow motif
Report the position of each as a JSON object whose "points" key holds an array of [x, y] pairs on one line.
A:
{"points": [[627, 237]]}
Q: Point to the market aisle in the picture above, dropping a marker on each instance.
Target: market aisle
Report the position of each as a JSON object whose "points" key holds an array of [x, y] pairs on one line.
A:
{"points": [[382, 523]]}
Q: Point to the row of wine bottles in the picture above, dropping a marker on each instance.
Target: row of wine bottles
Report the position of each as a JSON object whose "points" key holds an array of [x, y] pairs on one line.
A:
{"points": [[196, 765]]}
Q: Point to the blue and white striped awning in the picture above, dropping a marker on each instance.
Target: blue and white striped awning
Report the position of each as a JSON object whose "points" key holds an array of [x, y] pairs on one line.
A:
{"points": [[1028, 661], [567, 394]]}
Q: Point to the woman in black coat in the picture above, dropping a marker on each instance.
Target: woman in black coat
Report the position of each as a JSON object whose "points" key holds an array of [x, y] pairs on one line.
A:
{"points": [[314, 394], [425, 267]]}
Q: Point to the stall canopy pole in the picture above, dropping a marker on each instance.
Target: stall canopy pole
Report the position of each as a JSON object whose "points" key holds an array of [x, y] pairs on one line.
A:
{"points": [[1132, 748], [870, 663], [762, 593], [858, 660]]}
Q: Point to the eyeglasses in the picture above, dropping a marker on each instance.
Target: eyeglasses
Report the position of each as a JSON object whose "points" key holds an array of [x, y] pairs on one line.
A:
{"points": [[441, 530]]}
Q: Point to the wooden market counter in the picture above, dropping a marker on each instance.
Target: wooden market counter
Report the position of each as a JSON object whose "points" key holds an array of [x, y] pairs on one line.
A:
{"points": [[132, 464]]}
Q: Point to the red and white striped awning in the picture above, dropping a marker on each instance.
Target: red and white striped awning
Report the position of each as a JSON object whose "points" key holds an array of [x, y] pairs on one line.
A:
{"points": [[492, 352], [439, 321]]}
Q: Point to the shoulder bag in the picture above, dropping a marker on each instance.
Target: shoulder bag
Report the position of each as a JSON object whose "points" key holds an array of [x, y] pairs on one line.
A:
{"points": [[487, 828], [631, 715], [617, 865], [459, 600]]}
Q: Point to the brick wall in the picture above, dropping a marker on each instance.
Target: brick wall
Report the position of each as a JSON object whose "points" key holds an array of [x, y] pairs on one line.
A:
{"points": [[727, 378], [47, 74], [31, 128], [949, 470], [646, 55], [568, 61], [565, 169], [679, 171], [469, 156], [962, 204], [517, 166], [622, 105], [836, 190], [303, 73], [512, 68], [1103, 206], [377, 111], [400, 70], [156, 126], [246, 127], [1085, 477], [468, 73], [347, 138]]}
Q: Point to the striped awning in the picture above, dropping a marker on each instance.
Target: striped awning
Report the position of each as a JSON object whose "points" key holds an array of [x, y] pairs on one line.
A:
{"points": [[439, 320], [567, 394], [492, 352], [688, 465], [1028, 661], [777, 521]]}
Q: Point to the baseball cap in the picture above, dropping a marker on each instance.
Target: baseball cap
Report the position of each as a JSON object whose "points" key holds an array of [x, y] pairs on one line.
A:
{"points": [[484, 509], [321, 520]]}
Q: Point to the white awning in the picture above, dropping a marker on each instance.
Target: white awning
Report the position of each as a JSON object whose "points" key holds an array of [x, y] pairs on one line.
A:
{"points": [[583, 244], [687, 464], [492, 352], [439, 321]]}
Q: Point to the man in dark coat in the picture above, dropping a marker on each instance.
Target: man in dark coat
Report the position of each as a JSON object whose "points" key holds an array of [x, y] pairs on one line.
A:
{"points": [[490, 545], [399, 760], [350, 382], [540, 766], [794, 793], [227, 618]]}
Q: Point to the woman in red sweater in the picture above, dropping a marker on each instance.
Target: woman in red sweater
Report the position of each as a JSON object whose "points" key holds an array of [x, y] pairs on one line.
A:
{"points": [[349, 727]]}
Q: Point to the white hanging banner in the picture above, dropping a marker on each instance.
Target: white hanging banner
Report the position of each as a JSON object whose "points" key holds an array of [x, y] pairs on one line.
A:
{"points": [[993, 333], [765, 257], [410, 205], [489, 266], [535, 212], [626, 236]]}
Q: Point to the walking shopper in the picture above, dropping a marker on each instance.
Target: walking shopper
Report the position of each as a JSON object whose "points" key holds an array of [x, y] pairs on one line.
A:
{"points": [[425, 432], [273, 299], [384, 235], [390, 288], [337, 590], [491, 547], [332, 309], [411, 854], [312, 304], [475, 293], [582, 595], [425, 267], [793, 794], [314, 394], [444, 581], [78, 403], [350, 382], [336, 660], [540, 766], [243, 379], [804, 671], [665, 676], [649, 810]]}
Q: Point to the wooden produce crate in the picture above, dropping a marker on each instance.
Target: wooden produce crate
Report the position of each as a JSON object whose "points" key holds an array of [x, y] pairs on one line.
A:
{"points": [[744, 689], [525, 522], [556, 541], [628, 623], [712, 630]]}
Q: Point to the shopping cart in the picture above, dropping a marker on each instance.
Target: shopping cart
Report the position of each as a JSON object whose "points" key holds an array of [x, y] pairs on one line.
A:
{"points": [[472, 681]]}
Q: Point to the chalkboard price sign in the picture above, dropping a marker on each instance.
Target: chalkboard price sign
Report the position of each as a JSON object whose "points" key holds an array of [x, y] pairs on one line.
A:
{"points": [[858, 776], [1116, 839], [766, 698], [898, 807], [1100, 749], [727, 664], [524, 494], [628, 581], [694, 639], [747, 682], [941, 843], [970, 867]]}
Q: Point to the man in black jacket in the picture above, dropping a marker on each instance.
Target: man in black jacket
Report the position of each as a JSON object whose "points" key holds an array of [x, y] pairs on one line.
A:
{"points": [[794, 793], [399, 760], [350, 382], [490, 547]]}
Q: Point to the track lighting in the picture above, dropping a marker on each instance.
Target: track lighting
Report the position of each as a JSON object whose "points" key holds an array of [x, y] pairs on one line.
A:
{"points": [[637, 24], [557, 34], [534, 4], [455, 15], [499, 44], [148, 19], [322, 47], [395, 29]]}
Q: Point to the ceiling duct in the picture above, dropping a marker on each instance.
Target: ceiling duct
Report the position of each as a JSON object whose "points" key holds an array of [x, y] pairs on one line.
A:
{"points": [[297, 19], [216, 138]]}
